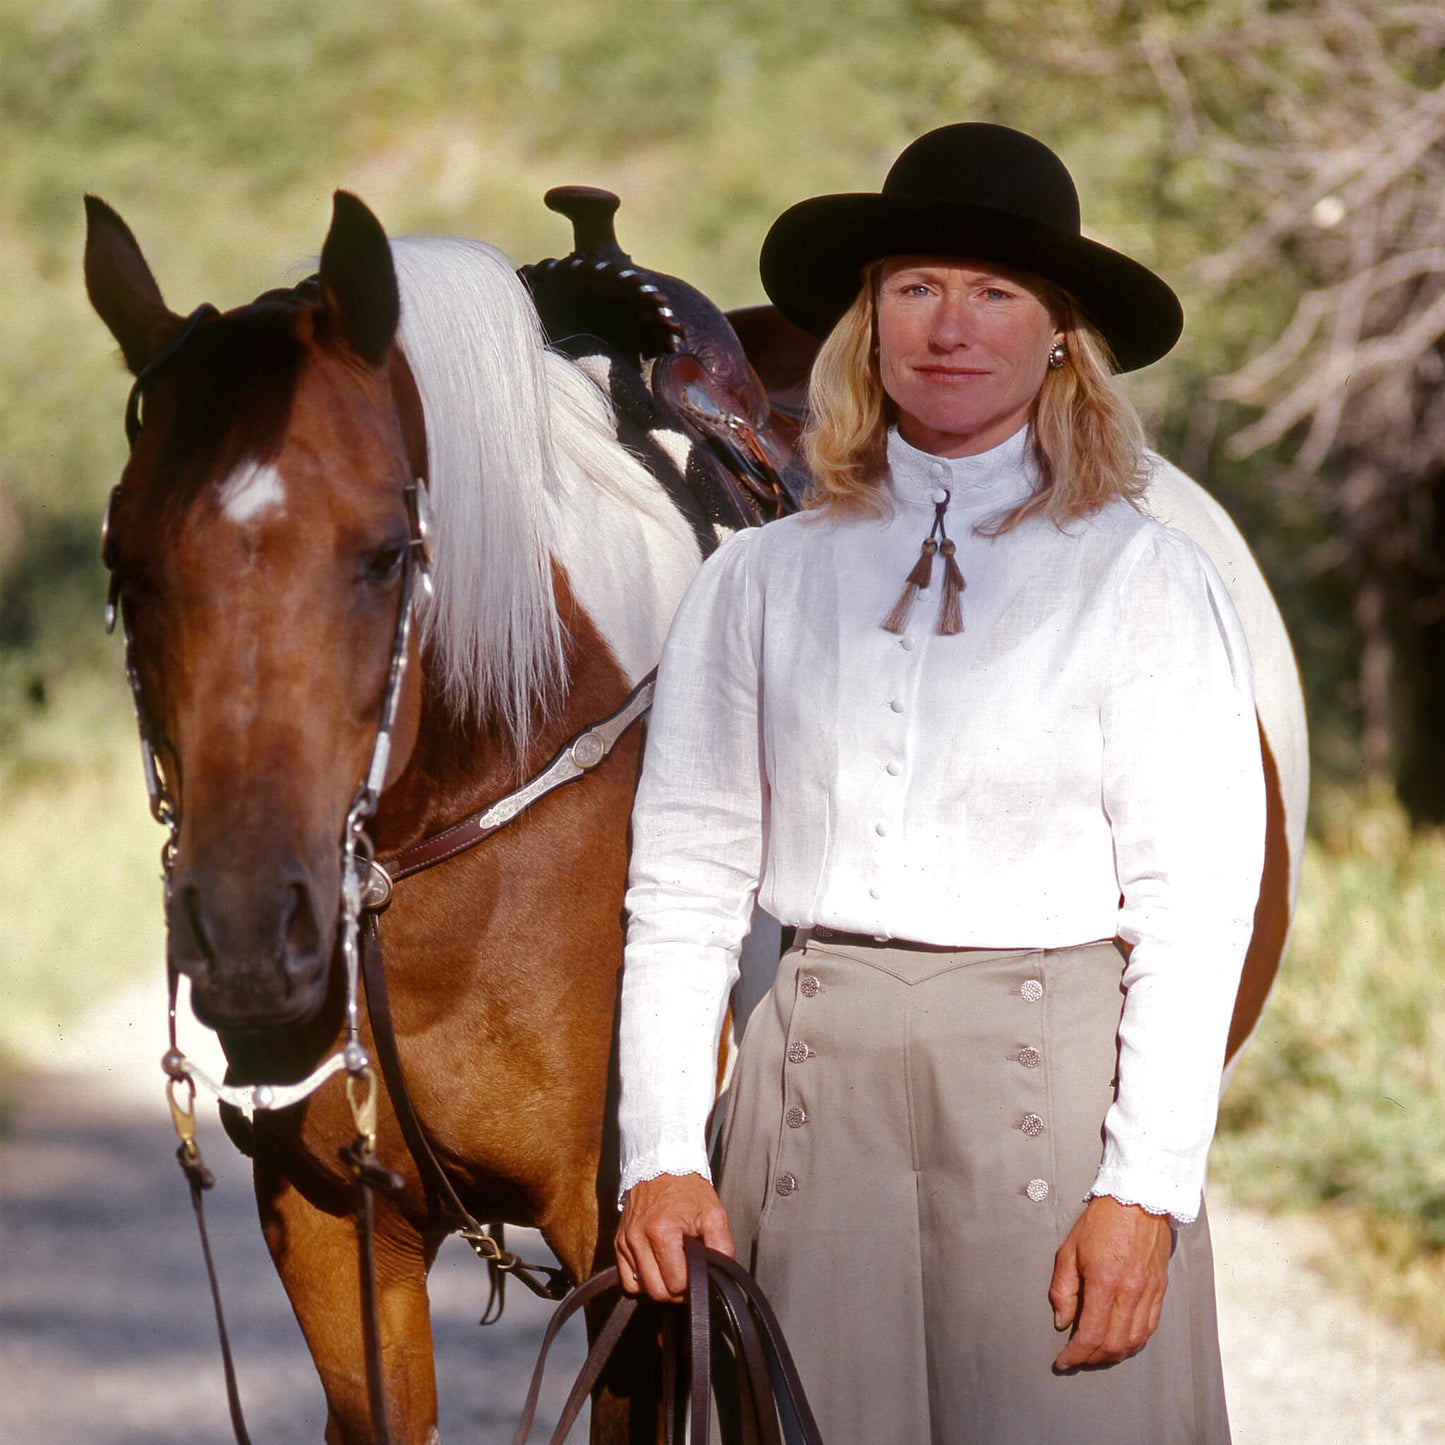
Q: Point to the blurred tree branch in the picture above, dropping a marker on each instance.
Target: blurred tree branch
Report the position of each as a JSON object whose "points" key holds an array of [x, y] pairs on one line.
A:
{"points": [[1319, 127]]}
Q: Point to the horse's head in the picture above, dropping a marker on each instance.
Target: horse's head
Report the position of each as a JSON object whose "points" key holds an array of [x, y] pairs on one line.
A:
{"points": [[261, 543]]}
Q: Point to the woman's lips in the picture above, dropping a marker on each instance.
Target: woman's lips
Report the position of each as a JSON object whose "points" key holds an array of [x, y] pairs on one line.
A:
{"points": [[949, 373]]}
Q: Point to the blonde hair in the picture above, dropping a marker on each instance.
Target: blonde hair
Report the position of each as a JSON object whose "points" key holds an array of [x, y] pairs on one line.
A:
{"points": [[1087, 439]]}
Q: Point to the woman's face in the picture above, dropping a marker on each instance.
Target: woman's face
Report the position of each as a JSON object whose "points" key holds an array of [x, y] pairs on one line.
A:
{"points": [[963, 348]]}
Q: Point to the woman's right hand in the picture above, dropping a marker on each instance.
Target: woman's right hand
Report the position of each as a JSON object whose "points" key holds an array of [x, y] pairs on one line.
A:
{"points": [[657, 1215]]}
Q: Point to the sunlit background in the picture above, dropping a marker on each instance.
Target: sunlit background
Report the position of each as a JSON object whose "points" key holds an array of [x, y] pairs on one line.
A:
{"points": [[1283, 164]]}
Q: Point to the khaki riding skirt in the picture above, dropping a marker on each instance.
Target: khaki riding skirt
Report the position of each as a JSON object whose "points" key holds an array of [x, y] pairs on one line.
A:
{"points": [[908, 1137]]}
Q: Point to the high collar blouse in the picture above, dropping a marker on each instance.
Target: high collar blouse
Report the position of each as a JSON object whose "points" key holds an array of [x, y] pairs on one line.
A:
{"points": [[1080, 762]]}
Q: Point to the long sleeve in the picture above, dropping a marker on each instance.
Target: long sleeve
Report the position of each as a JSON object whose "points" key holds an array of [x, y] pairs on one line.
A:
{"points": [[698, 839], [1183, 792]]}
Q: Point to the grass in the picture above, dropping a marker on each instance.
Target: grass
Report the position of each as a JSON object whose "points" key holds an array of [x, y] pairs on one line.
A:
{"points": [[1336, 1105]]}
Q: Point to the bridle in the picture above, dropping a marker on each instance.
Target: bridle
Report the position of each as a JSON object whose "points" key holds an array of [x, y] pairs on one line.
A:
{"points": [[366, 884], [356, 846]]}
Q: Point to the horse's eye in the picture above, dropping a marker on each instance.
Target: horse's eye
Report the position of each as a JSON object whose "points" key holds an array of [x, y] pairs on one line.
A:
{"points": [[383, 564]]}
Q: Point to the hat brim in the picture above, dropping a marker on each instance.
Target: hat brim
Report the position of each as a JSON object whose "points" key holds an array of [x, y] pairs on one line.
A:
{"points": [[813, 258]]}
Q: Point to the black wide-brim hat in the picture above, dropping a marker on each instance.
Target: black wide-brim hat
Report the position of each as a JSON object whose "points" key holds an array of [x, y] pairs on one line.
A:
{"points": [[978, 192]]}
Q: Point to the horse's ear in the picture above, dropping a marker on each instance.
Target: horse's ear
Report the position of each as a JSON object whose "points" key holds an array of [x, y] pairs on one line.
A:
{"points": [[358, 281], [122, 289]]}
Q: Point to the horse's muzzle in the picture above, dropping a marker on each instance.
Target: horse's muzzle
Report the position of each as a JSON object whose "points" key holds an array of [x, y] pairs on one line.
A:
{"points": [[257, 953]]}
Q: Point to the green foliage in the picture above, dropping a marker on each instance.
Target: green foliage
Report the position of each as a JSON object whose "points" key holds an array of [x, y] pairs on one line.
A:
{"points": [[1337, 1099]]}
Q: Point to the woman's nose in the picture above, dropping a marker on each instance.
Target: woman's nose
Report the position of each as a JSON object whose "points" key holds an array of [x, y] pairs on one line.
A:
{"points": [[950, 323]]}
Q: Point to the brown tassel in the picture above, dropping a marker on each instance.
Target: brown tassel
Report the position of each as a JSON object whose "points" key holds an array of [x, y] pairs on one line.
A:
{"points": [[921, 575], [950, 617]]}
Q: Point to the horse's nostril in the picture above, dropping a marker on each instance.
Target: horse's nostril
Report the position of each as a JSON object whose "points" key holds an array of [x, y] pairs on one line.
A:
{"points": [[195, 918], [301, 929]]}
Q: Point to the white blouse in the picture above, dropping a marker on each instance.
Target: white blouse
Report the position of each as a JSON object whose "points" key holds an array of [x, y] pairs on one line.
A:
{"points": [[1080, 762]]}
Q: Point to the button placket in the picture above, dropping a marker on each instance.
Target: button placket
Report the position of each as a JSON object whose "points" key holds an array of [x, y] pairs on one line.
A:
{"points": [[795, 1116], [896, 685], [1031, 1125]]}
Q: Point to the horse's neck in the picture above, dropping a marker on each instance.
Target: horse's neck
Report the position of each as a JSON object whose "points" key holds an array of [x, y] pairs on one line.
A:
{"points": [[627, 555], [457, 767]]}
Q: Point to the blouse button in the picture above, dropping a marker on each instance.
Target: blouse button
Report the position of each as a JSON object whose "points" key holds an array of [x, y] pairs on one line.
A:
{"points": [[906, 643], [799, 1053], [1031, 990], [896, 705], [1036, 1189], [795, 1118], [873, 893], [881, 829], [808, 985], [1029, 1058], [937, 495], [894, 769], [936, 469], [787, 1184], [1032, 1125]]}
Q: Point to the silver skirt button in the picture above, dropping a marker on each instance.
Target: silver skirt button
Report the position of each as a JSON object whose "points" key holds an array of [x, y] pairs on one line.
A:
{"points": [[1029, 1058], [1036, 1189], [795, 1118], [1031, 990], [799, 1053], [786, 1184], [1032, 1125], [809, 985]]}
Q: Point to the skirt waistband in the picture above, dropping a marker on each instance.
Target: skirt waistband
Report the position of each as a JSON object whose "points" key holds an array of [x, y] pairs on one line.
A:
{"points": [[817, 933]]}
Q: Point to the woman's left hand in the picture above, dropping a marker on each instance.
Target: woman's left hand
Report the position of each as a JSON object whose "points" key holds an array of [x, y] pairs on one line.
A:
{"points": [[1109, 1280]]}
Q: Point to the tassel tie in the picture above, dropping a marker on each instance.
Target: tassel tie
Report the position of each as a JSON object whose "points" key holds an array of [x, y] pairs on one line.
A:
{"points": [[950, 615]]}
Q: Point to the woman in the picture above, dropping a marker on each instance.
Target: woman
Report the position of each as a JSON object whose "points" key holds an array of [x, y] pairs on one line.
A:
{"points": [[984, 734]]}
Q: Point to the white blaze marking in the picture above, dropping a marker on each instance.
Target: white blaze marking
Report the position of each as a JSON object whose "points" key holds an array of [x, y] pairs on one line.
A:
{"points": [[251, 490], [675, 445]]}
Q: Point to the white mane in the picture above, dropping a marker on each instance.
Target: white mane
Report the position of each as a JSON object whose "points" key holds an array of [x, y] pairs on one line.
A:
{"points": [[512, 430]]}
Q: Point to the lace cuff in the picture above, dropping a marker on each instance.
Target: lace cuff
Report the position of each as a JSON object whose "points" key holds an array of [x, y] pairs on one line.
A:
{"points": [[640, 1173], [1179, 1219]]}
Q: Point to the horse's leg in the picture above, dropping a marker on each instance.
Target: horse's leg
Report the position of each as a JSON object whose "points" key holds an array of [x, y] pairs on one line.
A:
{"points": [[627, 1406], [315, 1254]]}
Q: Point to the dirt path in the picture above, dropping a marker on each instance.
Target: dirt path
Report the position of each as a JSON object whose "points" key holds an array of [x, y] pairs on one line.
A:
{"points": [[106, 1335]]}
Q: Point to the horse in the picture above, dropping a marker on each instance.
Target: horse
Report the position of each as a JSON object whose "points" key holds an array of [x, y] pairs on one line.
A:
{"points": [[265, 543], [259, 539]]}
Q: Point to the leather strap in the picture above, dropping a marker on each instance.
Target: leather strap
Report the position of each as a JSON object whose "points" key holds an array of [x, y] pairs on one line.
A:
{"points": [[617, 1320], [200, 1179], [773, 1407], [368, 1175], [577, 758], [699, 1319]]}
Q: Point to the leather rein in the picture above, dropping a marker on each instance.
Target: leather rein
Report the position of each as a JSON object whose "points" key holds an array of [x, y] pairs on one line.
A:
{"points": [[366, 891]]}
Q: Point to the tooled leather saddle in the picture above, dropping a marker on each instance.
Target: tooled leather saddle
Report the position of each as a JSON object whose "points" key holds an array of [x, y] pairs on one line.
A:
{"points": [[731, 387]]}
